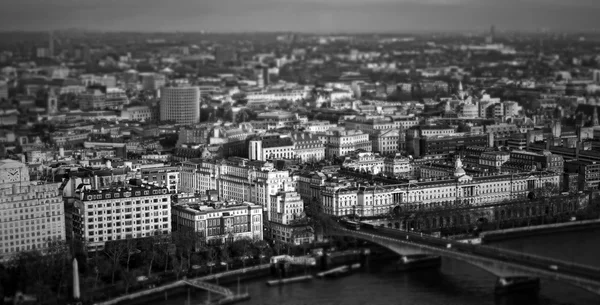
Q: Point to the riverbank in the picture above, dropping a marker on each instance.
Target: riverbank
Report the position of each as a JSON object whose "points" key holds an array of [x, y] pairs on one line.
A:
{"points": [[516, 233], [232, 276]]}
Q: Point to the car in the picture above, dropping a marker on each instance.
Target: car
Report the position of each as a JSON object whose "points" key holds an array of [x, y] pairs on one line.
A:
{"points": [[210, 264], [553, 267], [223, 264], [449, 246], [196, 267], [142, 278]]}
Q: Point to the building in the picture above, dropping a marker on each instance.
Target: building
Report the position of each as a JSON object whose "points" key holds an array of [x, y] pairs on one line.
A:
{"points": [[167, 176], [588, 174], [139, 113], [133, 211], [218, 222], [339, 142], [152, 81], [31, 212], [308, 147], [276, 120], [236, 179], [286, 221], [541, 161], [289, 95], [389, 141], [364, 162], [180, 104], [494, 159], [271, 148], [318, 126], [397, 165], [338, 200], [441, 145]]}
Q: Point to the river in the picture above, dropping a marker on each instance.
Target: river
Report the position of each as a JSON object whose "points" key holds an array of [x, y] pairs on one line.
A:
{"points": [[455, 283]]}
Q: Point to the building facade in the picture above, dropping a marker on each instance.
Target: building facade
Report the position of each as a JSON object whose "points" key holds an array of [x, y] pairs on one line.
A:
{"points": [[180, 104], [31, 212], [286, 222], [219, 222], [134, 211], [430, 193]]}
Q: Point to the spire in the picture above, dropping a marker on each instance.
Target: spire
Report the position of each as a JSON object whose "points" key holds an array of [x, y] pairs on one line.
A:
{"points": [[595, 117], [461, 92]]}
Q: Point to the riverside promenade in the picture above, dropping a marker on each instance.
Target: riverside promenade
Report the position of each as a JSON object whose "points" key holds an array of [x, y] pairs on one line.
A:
{"points": [[198, 283]]}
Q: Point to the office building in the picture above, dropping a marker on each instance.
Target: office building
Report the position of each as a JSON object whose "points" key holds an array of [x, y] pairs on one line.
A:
{"points": [[235, 179], [180, 104], [215, 223], [31, 212], [167, 176], [287, 223]]}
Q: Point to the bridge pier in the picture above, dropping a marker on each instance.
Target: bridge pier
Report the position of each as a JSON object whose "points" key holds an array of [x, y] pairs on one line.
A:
{"points": [[418, 262], [512, 284]]}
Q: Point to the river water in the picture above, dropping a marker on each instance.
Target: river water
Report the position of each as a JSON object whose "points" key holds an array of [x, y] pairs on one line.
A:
{"points": [[455, 283]]}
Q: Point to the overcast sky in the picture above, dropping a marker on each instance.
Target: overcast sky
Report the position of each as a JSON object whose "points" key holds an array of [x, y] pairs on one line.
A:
{"points": [[299, 15]]}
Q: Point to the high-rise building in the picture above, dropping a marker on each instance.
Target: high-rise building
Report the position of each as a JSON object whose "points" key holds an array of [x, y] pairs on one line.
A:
{"points": [[180, 104], [31, 212]]}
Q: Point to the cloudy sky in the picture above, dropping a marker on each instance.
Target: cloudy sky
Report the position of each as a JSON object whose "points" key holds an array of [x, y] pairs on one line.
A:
{"points": [[299, 15]]}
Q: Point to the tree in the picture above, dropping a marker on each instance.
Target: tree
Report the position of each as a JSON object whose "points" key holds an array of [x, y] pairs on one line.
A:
{"points": [[130, 245], [278, 247], [115, 251], [150, 252], [225, 255], [129, 278], [212, 257]]}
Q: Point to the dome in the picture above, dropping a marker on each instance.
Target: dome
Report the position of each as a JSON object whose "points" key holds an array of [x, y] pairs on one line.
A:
{"points": [[459, 172]]}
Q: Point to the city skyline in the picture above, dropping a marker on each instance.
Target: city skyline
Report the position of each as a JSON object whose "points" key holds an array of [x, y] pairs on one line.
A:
{"points": [[299, 15]]}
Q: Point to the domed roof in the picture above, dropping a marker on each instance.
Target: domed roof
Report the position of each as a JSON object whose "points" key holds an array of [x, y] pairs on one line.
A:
{"points": [[459, 171]]}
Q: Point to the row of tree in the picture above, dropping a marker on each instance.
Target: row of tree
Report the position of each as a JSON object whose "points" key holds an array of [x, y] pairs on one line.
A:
{"points": [[117, 267]]}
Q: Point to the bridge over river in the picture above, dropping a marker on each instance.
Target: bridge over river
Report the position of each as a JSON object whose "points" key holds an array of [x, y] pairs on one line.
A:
{"points": [[504, 264]]}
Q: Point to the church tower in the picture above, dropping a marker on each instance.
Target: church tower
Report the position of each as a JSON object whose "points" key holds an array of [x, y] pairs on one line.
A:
{"points": [[51, 103], [595, 117]]}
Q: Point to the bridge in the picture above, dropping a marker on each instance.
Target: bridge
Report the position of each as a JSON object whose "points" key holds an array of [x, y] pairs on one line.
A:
{"points": [[196, 283], [502, 263], [200, 284]]}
